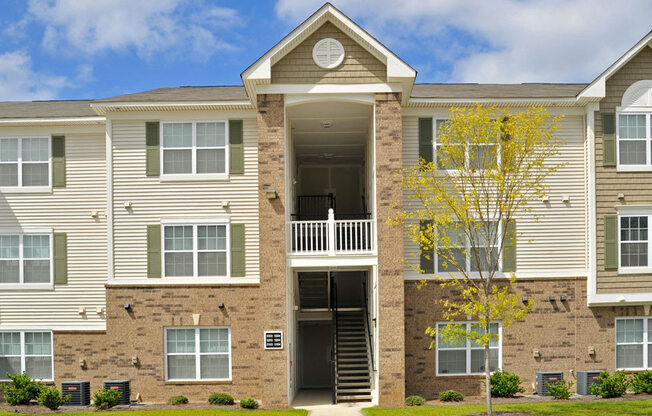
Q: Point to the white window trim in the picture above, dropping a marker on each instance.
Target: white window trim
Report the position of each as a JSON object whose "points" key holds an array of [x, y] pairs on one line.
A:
{"points": [[195, 176], [467, 348], [647, 112], [646, 321], [197, 353], [29, 189], [195, 251], [634, 270], [467, 156], [21, 285], [23, 355], [470, 273]]}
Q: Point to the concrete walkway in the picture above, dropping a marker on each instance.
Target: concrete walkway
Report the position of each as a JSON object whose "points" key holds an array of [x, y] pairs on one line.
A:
{"points": [[319, 403]]}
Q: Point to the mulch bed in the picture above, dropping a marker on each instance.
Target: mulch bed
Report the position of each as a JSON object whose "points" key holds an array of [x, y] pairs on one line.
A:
{"points": [[36, 409], [536, 399]]}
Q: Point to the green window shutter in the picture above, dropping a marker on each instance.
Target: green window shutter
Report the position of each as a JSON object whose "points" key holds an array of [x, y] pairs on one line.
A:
{"points": [[58, 161], [237, 250], [509, 247], [152, 146], [425, 139], [153, 251], [609, 139], [60, 255], [427, 260], [610, 242], [236, 147]]}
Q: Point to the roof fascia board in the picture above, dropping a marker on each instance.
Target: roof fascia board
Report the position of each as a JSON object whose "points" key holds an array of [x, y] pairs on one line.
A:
{"points": [[103, 108], [54, 121]]}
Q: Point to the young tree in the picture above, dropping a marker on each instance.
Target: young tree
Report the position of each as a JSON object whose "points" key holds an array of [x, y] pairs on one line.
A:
{"points": [[489, 167]]}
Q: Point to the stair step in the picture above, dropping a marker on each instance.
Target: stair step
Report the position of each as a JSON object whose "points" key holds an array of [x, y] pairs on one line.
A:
{"points": [[361, 397], [367, 390], [349, 372], [346, 385]]}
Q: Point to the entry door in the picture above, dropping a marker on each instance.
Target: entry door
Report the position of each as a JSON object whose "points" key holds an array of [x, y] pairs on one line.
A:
{"points": [[315, 352]]}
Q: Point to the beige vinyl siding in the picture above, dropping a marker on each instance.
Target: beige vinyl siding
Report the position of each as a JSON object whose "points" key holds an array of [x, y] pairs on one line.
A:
{"points": [[556, 244], [66, 210], [153, 199]]}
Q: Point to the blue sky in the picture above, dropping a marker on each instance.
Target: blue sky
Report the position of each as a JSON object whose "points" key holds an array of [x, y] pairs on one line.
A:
{"points": [[74, 49]]}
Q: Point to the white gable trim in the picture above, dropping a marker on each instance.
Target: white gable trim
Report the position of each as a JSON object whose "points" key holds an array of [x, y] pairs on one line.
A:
{"points": [[597, 89]]}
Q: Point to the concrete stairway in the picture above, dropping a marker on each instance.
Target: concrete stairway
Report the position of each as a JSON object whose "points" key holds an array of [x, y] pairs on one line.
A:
{"points": [[353, 378]]}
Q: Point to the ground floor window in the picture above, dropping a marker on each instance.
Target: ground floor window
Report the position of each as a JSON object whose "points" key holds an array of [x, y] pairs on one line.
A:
{"points": [[26, 351], [633, 342], [198, 353], [467, 357]]}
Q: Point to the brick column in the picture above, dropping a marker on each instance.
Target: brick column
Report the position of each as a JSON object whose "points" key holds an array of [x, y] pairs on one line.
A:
{"points": [[389, 198], [273, 311]]}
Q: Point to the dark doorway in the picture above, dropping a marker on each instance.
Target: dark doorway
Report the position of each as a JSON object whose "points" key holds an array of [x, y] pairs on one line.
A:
{"points": [[315, 354]]}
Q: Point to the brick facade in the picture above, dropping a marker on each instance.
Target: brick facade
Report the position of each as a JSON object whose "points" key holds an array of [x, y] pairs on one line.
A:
{"points": [[561, 331]]}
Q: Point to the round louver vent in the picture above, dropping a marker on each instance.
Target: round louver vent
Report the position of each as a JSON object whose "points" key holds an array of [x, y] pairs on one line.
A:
{"points": [[328, 53]]}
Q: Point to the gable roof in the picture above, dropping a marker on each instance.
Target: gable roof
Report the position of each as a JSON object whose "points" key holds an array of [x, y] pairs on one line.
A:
{"points": [[490, 91], [190, 93], [45, 109]]}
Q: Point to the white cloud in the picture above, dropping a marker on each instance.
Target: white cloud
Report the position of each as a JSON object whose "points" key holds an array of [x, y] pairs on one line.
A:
{"points": [[145, 26], [19, 81], [501, 40]]}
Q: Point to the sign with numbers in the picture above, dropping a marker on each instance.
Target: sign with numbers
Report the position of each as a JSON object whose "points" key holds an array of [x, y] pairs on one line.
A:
{"points": [[273, 340]]}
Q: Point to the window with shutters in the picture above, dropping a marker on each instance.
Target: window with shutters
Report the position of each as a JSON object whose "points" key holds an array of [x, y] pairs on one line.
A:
{"points": [[194, 149], [634, 135], [634, 249], [460, 251], [633, 343], [29, 351], [476, 156], [195, 250], [198, 353], [25, 260], [466, 356], [25, 162]]}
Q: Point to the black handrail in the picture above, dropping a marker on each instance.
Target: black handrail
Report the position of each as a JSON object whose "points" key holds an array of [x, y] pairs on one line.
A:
{"points": [[334, 336], [314, 207], [366, 312]]}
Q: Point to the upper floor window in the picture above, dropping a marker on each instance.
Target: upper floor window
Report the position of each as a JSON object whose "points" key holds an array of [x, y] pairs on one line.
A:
{"points": [[26, 351], [24, 162], [634, 137], [476, 156], [461, 253], [634, 247], [195, 250], [467, 356], [25, 259], [194, 148], [633, 343]]}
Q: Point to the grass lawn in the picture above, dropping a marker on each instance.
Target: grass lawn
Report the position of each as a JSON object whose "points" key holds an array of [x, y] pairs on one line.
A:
{"points": [[584, 408], [183, 412]]}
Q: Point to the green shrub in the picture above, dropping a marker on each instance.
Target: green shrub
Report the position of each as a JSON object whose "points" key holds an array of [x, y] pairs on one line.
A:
{"points": [[451, 396], [220, 399], [249, 403], [51, 398], [106, 399], [415, 401], [505, 384], [560, 389], [611, 385], [21, 389], [178, 400], [641, 382]]}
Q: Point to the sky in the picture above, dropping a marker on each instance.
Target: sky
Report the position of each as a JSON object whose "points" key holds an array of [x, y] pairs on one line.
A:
{"points": [[89, 49]]}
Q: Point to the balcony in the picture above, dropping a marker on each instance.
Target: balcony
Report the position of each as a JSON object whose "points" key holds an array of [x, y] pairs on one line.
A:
{"points": [[332, 236]]}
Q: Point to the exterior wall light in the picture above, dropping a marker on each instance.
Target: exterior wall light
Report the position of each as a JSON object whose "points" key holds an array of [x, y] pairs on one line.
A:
{"points": [[271, 194]]}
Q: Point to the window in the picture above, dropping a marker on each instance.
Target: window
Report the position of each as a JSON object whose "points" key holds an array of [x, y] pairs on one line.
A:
{"points": [[194, 148], [198, 353], [195, 250], [26, 351], [24, 162], [25, 258], [460, 246], [633, 342], [467, 357], [477, 156], [634, 137]]}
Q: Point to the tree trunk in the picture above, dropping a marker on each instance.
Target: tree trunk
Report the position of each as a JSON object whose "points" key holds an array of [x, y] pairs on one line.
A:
{"points": [[487, 374]]}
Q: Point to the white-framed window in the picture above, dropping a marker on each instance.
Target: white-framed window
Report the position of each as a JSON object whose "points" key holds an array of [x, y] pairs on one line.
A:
{"points": [[195, 250], [467, 357], [25, 259], [197, 148], [475, 156], [25, 162], [461, 252], [633, 343], [29, 351], [634, 134], [198, 353]]}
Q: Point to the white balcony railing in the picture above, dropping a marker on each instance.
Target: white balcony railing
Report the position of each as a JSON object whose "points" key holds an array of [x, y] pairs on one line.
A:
{"points": [[332, 237]]}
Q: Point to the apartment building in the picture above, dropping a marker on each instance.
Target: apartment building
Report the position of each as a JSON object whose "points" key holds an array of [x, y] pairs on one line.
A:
{"points": [[202, 239]]}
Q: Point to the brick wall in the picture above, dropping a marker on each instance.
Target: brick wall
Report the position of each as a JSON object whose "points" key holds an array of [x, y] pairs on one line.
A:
{"points": [[561, 331], [390, 249]]}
